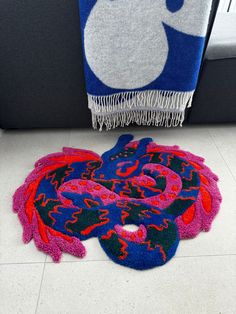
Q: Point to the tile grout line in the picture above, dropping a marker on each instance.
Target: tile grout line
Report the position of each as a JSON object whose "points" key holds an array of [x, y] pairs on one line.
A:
{"points": [[207, 255], [40, 287], [214, 142], [108, 260], [21, 263], [184, 256]]}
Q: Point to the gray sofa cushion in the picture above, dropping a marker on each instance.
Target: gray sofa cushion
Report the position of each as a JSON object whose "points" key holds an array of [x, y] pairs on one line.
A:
{"points": [[222, 42]]}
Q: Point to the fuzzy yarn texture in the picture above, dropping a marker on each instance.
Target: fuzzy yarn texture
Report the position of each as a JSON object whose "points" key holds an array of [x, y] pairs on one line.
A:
{"points": [[167, 193], [142, 59]]}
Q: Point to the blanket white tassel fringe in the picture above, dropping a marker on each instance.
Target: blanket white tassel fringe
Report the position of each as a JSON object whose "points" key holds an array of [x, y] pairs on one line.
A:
{"points": [[154, 107]]}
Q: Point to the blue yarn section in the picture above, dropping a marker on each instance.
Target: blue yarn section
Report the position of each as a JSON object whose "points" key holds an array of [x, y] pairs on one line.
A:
{"points": [[182, 66], [153, 259]]}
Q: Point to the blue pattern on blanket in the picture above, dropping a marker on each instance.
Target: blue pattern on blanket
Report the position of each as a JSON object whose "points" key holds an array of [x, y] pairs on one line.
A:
{"points": [[146, 55]]}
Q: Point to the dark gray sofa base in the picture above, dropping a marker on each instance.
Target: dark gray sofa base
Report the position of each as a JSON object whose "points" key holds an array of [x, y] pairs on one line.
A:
{"points": [[215, 97]]}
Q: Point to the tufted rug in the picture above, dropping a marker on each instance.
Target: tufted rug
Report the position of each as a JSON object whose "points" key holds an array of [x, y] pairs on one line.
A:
{"points": [[70, 196]]}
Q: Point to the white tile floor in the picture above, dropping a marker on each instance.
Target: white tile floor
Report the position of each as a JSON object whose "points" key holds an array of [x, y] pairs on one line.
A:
{"points": [[200, 279]]}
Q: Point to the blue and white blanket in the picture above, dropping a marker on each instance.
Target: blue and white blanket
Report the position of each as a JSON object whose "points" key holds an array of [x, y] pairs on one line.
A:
{"points": [[142, 58]]}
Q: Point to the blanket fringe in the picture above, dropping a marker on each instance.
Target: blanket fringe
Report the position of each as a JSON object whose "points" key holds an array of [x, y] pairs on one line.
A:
{"points": [[158, 108]]}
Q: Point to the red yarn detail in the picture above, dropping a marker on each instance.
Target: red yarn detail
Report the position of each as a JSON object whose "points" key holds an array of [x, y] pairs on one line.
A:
{"points": [[156, 211], [204, 179], [59, 234], [162, 226], [42, 229], [124, 215], [123, 249], [108, 235], [178, 153], [88, 202], [140, 233], [128, 171], [29, 206], [175, 188], [161, 149], [77, 158], [206, 199], [188, 216], [197, 166]]}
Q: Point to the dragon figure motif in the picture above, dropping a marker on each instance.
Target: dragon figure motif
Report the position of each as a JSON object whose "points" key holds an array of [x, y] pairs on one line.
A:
{"points": [[73, 195]]}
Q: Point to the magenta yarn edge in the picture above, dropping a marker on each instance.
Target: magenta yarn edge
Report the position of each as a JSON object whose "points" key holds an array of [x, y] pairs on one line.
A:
{"points": [[56, 245], [206, 219]]}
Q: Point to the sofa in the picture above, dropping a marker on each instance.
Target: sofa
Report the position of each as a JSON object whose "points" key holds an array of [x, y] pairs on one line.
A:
{"points": [[41, 69], [215, 97]]}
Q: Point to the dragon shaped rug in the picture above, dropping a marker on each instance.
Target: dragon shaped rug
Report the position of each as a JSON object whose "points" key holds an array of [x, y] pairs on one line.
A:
{"points": [[70, 196]]}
